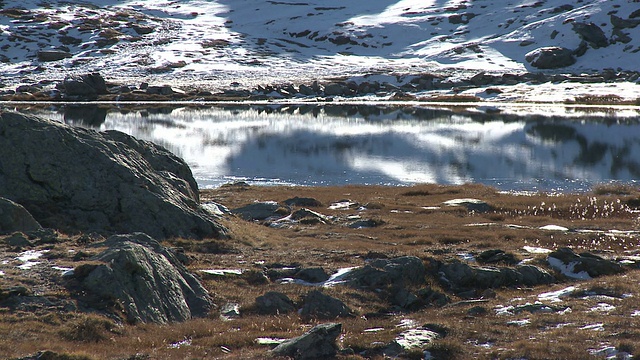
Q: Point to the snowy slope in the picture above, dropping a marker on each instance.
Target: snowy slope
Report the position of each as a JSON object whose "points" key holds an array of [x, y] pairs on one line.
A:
{"points": [[246, 42]]}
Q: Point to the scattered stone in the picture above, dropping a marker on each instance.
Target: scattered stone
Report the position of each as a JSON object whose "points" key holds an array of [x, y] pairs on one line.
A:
{"points": [[312, 275], [582, 266], [18, 240], [84, 87], [307, 216], [495, 257], [76, 179], [412, 339], [53, 55], [302, 202], [317, 343], [466, 279], [321, 306], [14, 217], [380, 273], [368, 223], [261, 211], [274, 303], [145, 279], [551, 57], [334, 89]]}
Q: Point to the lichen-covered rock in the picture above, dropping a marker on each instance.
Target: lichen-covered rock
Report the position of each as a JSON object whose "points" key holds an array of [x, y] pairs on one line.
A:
{"points": [[76, 179], [146, 279]]}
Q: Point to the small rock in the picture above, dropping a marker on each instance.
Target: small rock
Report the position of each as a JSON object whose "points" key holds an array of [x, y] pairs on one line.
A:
{"points": [[474, 205], [274, 303], [14, 217], [18, 240], [317, 343], [53, 55], [259, 211], [312, 275], [302, 202], [320, 306]]}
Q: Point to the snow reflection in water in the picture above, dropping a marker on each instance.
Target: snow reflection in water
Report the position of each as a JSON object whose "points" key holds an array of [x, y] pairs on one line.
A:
{"points": [[553, 149]]}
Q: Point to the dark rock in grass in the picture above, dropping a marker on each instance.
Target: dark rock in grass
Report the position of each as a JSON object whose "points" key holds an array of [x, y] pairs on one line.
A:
{"points": [[145, 279], [591, 33], [14, 217], [380, 273], [302, 202], [18, 240], [577, 265], [496, 256], [260, 211], [312, 275], [274, 303], [320, 306], [551, 57], [80, 180], [368, 223], [461, 277], [317, 343]]}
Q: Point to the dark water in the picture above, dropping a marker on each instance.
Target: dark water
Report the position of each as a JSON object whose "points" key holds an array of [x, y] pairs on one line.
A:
{"points": [[519, 148]]}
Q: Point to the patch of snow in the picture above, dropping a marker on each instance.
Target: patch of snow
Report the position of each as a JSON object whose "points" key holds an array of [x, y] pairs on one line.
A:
{"points": [[554, 296], [536, 250], [593, 327], [467, 257], [610, 353], [554, 228], [179, 344], [335, 279], [223, 272], [407, 323], [568, 270], [523, 322], [603, 307], [372, 330], [269, 341], [635, 313]]}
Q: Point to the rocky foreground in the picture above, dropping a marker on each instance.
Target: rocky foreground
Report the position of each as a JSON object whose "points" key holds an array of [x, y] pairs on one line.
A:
{"points": [[109, 251]]}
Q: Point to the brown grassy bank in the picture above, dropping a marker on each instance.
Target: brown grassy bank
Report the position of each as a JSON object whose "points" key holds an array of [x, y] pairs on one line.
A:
{"points": [[410, 221]]}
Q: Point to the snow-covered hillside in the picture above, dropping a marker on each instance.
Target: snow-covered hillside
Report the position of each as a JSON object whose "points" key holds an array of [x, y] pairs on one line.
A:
{"points": [[242, 43]]}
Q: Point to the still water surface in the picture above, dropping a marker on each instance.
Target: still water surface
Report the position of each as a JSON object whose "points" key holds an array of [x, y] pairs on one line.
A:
{"points": [[517, 148]]}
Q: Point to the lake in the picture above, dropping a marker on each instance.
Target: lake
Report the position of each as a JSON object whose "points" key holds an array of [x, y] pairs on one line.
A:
{"points": [[511, 147]]}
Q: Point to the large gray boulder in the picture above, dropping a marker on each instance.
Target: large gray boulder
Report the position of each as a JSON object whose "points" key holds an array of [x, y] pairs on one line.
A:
{"points": [[317, 343], [14, 217], [145, 279], [75, 179], [551, 57], [83, 87]]}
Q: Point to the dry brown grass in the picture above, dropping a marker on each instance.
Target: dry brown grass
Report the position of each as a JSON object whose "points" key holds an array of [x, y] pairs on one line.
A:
{"points": [[411, 225]]}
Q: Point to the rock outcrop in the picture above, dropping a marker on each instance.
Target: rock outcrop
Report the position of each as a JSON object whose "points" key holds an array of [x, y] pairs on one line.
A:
{"points": [[76, 179], [143, 278]]}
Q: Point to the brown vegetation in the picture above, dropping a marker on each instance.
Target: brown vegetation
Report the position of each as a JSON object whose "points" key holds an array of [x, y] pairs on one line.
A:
{"points": [[411, 221]]}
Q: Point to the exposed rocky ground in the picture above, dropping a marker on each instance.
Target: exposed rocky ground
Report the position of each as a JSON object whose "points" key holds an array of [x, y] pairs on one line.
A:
{"points": [[347, 272]]}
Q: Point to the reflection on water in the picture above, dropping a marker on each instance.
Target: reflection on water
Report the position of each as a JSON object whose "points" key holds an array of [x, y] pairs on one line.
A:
{"points": [[516, 149]]}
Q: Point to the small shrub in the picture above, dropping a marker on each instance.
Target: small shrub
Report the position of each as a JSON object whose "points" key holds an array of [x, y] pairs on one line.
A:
{"points": [[90, 328]]}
